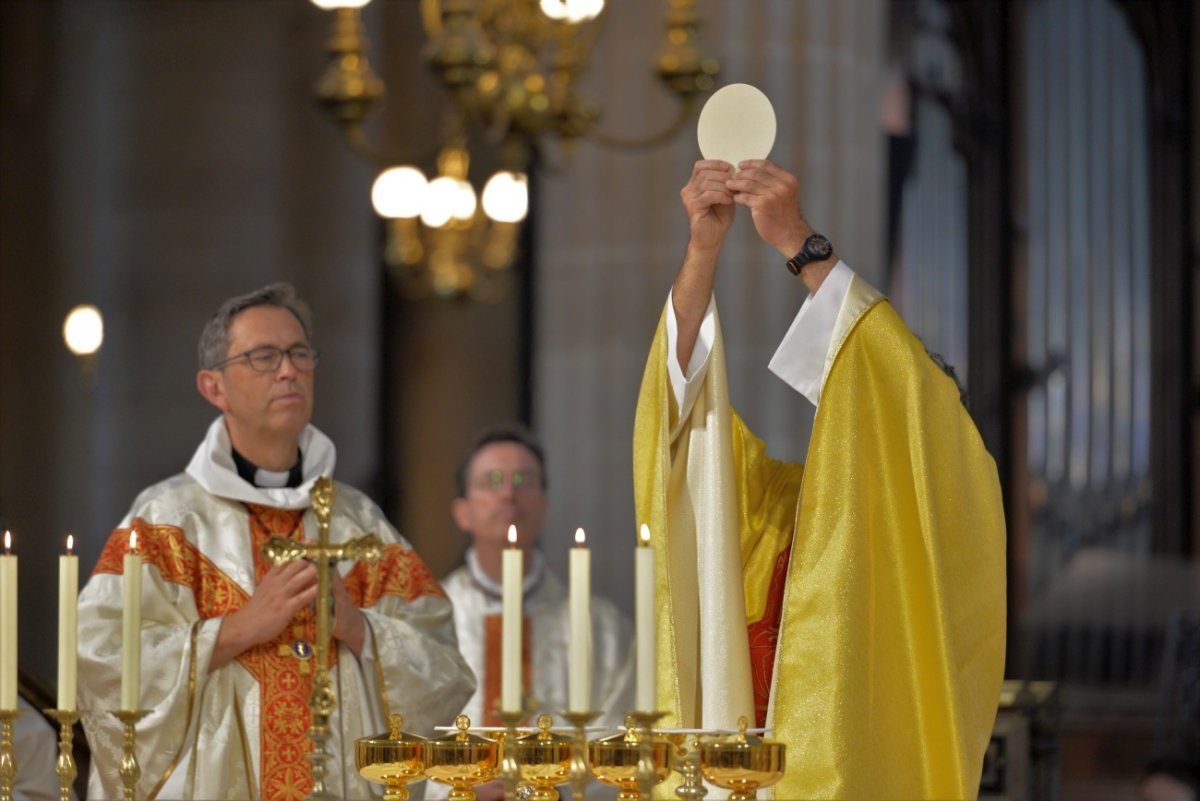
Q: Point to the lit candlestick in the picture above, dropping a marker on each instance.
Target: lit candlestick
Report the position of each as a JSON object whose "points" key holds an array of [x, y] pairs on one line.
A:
{"points": [[131, 629], [8, 626], [512, 624], [644, 620], [579, 679], [68, 604]]}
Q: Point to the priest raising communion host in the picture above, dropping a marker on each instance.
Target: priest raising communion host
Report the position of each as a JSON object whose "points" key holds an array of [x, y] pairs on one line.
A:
{"points": [[854, 603], [226, 635]]}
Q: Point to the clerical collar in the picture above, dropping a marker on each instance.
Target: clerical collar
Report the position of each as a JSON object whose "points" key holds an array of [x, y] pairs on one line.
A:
{"points": [[269, 479], [537, 569]]}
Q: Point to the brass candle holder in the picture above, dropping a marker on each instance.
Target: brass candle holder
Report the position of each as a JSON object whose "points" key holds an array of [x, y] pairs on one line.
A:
{"points": [[8, 763], [742, 762], [632, 761], [461, 760], [65, 766], [580, 775], [544, 759], [510, 769], [394, 759], [130, 771], [687, 762]]}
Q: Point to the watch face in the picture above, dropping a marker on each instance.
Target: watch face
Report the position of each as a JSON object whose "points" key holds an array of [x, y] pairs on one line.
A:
{"points": [[817, 247]]}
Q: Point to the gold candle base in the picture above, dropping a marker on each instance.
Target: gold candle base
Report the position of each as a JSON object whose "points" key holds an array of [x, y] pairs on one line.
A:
{"points": [[579, 767], [64, 766], [687, 762], [510, 769], [648, 768], [130, 770], [8, 763]]}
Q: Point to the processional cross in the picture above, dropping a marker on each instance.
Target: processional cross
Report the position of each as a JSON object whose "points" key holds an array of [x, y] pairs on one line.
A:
{"points": [[277, 550]]}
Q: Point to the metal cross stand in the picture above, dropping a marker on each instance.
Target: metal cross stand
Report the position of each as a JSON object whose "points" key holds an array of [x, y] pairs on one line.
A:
{"points": [[367, 548]]}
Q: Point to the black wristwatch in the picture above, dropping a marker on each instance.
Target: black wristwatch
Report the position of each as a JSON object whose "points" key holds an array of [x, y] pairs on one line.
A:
{"points": [[816, 248]]}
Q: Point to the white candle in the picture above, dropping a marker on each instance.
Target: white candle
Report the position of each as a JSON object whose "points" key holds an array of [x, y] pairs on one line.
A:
{"points": [[68, 604], [8, 626], [131, 629], [644, 620], [512, 624], [579, 678]]}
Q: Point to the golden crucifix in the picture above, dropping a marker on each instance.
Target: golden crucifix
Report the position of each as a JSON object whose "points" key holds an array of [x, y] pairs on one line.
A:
{"points": [[366, 548]]}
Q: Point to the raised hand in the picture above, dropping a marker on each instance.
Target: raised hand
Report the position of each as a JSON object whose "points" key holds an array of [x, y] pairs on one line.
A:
{"points": [[770, 192], [708, 204]]}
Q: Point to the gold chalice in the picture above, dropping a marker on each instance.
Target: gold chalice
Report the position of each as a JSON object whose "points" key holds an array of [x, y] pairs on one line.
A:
{"points": [[461, 760], [394, 759], [616, 760], [544, 759], [741, 762]]}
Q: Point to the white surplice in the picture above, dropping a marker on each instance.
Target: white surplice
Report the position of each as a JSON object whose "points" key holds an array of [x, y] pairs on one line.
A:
{"points": [[476, 597]]}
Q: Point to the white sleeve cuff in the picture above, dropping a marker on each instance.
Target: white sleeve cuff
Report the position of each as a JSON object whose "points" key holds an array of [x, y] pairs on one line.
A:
{"points": [[686, 388], [801, 356]]}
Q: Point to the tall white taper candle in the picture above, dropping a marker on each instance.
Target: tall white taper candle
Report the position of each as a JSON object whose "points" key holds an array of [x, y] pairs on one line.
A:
{"points": [[512, 624], [8, 626], [131, 629], [68, 606], [644, 620], [579, 677]]}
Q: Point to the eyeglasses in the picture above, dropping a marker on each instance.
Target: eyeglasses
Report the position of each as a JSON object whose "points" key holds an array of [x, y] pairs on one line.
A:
{"points": [[268, 358], [493, 481]]}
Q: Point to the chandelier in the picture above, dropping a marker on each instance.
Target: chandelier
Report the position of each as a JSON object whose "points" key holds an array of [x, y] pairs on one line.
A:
{"points": [[511, 69]]}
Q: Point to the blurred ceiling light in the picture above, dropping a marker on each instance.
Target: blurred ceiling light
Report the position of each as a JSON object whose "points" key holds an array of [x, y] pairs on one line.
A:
{"points": [[511, 67]]}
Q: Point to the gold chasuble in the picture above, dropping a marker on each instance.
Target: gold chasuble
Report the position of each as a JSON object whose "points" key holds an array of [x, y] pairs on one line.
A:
{"points": [[861, 597]]}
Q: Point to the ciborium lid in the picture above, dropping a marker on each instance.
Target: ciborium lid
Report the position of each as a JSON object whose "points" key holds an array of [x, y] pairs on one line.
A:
{"points": [[742, 762], [462, 760]]}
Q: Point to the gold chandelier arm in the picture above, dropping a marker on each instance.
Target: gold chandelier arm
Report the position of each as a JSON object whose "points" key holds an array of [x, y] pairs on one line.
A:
{"points": [[686, 107]]}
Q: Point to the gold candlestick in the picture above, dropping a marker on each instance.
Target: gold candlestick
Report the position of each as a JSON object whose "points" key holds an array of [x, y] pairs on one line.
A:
{"points": [[648, 770], [130, 770], [510, 769], [64, 766], [580, 775], [277, 550], [8, 763]]}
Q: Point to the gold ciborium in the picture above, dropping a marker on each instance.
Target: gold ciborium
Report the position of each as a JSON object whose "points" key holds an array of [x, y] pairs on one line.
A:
{"points": [[741, 762], [544, 759], [461, 760], [617, 760], [394, 759]]}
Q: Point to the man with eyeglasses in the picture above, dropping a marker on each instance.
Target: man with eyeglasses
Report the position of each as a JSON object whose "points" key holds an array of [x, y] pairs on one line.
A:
{"points": [[501, 481], [227, 638]]}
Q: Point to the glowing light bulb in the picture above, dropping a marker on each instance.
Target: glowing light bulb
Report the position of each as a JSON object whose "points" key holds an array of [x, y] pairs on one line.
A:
{"points": [[399, 192], [506, 197], [83, 330], [330, 5], [572, 11], [447, 198]]}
